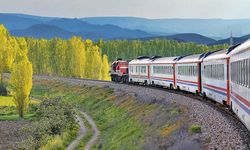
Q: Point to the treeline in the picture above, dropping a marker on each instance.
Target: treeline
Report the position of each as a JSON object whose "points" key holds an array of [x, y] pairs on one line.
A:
{"points": [[130, 49], [70, 58]]}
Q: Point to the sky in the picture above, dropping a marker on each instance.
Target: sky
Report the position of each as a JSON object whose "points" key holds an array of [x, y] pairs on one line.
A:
{"points": [[154, 9]]}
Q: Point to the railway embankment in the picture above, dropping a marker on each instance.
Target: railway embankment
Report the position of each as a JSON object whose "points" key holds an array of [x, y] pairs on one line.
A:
{"points": [[151, 118]]}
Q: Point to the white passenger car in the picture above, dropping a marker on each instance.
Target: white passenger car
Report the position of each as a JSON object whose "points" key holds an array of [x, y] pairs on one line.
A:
{"points": [[240, 82], [215, 81], [162, 72], [188, 73], [139, 70]]}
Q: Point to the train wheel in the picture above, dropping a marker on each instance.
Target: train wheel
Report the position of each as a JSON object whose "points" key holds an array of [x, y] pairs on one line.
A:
{"points": [[204, 96], [171, 87], [178, 88]]}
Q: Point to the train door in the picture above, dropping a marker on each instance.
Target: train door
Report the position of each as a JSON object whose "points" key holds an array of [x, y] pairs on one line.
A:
{"points": [[199, 78]]}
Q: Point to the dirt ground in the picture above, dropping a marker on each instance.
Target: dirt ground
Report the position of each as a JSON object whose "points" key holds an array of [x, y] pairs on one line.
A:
{"points": [[11, 133]]}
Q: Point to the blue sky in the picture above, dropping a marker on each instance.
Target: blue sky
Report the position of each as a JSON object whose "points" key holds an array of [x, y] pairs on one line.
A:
{"points": [[227, 9]]}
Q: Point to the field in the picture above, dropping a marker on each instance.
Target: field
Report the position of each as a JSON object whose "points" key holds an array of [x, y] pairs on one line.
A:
{"points": [[8, 101], [8, 109]]}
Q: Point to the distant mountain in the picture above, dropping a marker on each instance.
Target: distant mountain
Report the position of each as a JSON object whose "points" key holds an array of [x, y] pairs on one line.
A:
{"points": [[220, 28], [49, 31], [16, 22], [97, 31], [236, 40], [129, 27], [186, 37], [42, 31]]}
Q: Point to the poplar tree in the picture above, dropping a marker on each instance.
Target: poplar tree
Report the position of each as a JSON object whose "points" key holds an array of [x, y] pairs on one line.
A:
{"points": [[21, 78], [105, 68]]}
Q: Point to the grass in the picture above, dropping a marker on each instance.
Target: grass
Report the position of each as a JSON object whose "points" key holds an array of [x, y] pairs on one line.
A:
{"points": [[195, 128], [15, 117], [8, 101], [60, 142], [8, 109], [118, 129], [125, 123]]}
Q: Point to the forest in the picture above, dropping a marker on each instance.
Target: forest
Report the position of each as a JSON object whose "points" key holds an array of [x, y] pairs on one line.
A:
{"points": [[130, 49], [71, 58]]}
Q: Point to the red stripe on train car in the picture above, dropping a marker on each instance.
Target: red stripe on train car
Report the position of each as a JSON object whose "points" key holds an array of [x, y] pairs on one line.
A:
{"points": [[216, 87], [187, 81], [243, 100], [162, 78]]}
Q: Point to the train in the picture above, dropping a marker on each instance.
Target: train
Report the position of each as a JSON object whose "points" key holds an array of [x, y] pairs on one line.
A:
{"points": [[222, 76]]}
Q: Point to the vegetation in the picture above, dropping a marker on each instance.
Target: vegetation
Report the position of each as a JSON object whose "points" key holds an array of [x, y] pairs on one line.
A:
{"points": [[21, 79], [130, 49], [8, 109], [125, 123], [195, 129], [71, 58], [3, 89], [53, 126]]}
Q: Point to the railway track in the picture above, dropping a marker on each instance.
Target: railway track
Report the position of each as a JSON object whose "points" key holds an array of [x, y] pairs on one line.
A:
{"points": [[210, 102]]}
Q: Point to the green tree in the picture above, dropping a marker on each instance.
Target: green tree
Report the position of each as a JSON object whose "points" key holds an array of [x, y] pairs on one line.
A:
{"points": [[21, 79], [105, 68]]}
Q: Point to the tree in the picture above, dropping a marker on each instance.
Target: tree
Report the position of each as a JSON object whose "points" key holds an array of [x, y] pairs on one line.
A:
{"points": [[105, 68], [21, 79], [6, 50]]}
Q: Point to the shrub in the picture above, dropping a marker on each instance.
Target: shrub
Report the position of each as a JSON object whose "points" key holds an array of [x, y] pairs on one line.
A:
{"points": [[53, 117], [195, 129], [3, 89]]}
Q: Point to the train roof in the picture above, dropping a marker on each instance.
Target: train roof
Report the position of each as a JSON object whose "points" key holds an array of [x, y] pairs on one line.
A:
{"points": [[140, 61], [164, 60], [240, 48], [190, 58], [219, 54]]}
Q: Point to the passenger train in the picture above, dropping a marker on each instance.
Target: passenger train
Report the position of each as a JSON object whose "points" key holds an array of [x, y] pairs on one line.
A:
{"points": [[223, 76]]}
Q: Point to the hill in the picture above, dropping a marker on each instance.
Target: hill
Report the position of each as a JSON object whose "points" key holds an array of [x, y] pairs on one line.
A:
{"points": [[42, 31], [236, 40], [85, 31], [186, 37], [220, 28]]}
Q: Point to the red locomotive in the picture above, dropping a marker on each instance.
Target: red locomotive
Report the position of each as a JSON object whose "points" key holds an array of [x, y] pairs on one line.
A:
{"points": [[119, 71]]}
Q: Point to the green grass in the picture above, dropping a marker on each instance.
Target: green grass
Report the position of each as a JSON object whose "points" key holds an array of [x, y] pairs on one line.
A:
{"points": [[60, 142], [15, 117], [119, 130], [195, 128], [8, 109], [125, 123]]}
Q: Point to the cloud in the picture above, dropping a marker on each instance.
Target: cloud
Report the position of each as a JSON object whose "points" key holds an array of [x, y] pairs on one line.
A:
{"points": [[140, 8]]}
